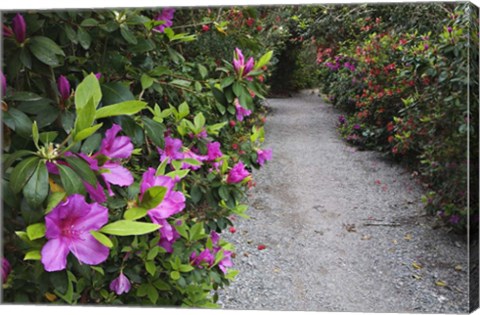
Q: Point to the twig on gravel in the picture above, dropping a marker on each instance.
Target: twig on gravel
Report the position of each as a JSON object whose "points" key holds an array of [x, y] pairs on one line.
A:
{"points": [[382, 224]]}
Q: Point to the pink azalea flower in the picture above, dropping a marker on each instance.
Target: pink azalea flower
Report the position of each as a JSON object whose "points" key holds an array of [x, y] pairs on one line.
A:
{"points": [[116, 147], [241, 111], [239, 65], [190, 155], [205, 256], [68, 228], [120, 285], [6, 31], [172, 203], [214, 237], [263, 155], [166, 16], [226, 260], [213, 151], [172, 150], [237, 174], [6, 268]]}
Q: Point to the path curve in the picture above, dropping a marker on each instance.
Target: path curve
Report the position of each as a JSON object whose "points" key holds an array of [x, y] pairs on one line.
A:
{"points": [[310, 208]]}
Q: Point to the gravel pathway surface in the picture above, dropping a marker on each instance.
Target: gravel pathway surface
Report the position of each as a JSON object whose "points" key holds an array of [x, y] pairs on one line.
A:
{"points": [[344, 229]]}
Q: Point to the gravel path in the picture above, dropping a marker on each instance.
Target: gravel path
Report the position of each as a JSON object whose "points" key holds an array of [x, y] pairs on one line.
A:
{"points": [[343, 229]]}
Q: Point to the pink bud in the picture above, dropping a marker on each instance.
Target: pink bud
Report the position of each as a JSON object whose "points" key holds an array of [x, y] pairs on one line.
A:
{"points": [[63, 88], [19, 28]]}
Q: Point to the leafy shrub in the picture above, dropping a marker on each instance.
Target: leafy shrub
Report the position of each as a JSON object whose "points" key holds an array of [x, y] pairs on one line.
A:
{"points": [[407, 93], [126, 154]]}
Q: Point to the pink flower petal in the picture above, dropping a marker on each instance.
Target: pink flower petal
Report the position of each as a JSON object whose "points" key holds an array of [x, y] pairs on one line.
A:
{"points": [[54, 255], [117, 174], [88, 250]]}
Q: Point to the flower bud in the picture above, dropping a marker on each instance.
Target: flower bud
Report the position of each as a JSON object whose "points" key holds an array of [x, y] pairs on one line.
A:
{"points": [[6, 268], [63, 88], [120, 285], [19, 28], [3, 82]]}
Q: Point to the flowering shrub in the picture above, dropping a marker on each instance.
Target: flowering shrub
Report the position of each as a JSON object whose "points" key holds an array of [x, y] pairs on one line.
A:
{"points": [[121, 169], [407, 93]]}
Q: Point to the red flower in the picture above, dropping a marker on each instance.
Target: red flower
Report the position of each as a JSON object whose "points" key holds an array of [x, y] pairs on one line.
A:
{"points": [[232, 123], [205, 28], [250, 22], [232, 229], [390, 126], [259, 28], [261, 247]]}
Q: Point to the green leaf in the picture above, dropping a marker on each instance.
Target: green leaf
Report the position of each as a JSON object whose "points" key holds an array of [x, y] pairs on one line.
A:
{"points": [[135, 213], [219, 96], [35, 135], [127, 34], [36, 231], [146, 81], [152, 294], [264, 60], [178, 174], [152, 253], [84, 38], [183, 110], [71, 181], [25, 96], [114, 93], [53, 200], [203, 71], [68, 296], [36, 189], [126, 228], [102, 238], [154, 131], [153, 196], [92, 143], [21, 123], [45, 50], [227, 82], [161, 285], [98, 269], [89, 22], [87, 97], [124, 108], [71, 35], [185, 268], [199, 121], [82, 168], [25, 57], [33, 255], [195, 194], [192, 162], [150, 267], [9, 159], [182, 83], [223, 192], [237, 89], [87, 132], [48, 136], [22, 173], [175, 275], [197, 232], [88, 89]]}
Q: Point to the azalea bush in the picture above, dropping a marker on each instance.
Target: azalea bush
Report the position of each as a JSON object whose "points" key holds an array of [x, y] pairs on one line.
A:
{"points": [[406, 92], [126, 154]]}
